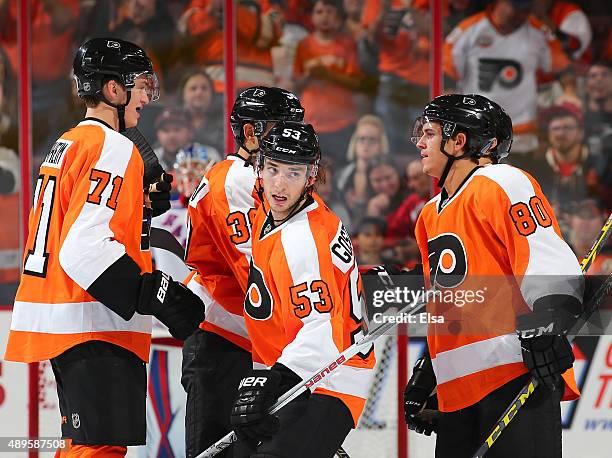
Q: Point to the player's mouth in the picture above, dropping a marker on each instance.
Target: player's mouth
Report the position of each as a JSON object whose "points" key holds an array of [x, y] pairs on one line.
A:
{"points": [[423, 154], [279, 200]]}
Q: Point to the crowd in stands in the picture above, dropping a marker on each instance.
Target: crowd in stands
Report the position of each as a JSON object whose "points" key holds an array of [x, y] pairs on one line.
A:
{"points": [[362, 71]]}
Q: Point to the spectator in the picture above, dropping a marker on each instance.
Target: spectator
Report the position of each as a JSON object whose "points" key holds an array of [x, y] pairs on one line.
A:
{"points": [[387, 192], [568, 22], [175, 134], [189, 168], [326, 69], [453, 11], [329, 193], [8, 107], [52, 38], [571, 173], [149, 24], [199, 98], [369, 241], [10, 255], [258, 29], [398, 38], [598, 115], [352, 24], [497, 53], [586, 218], [420, 186], [367, 142]]}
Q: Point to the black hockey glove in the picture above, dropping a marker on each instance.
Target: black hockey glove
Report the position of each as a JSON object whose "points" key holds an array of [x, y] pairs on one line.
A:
{"points": [[170, 302], [256, 394], [547, 357], [418, 398], [159, 195], [546, 351]]}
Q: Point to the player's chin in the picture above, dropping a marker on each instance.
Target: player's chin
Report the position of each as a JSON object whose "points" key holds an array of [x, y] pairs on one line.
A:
{"points": [[131, 122]]}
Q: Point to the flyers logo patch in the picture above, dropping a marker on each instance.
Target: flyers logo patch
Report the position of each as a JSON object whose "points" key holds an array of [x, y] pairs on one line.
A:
{"points": [[258, 303], [447, 260], [507, 73]]}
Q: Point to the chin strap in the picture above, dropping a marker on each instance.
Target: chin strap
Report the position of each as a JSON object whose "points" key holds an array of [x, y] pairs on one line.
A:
{"points": [[449, 163], [120, 109]]}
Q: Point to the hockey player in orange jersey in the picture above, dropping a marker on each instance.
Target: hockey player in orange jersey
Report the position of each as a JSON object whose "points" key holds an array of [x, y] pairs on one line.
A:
{"points": [[302, 308], [492, 221], [221, 210], [87, 293]]}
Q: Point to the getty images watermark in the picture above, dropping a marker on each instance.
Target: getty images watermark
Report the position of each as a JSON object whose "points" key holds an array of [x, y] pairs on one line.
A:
{"points": [[401, 297]]}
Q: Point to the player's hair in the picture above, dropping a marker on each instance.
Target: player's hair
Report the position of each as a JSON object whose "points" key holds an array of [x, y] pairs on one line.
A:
{"points": [[92, 101]]}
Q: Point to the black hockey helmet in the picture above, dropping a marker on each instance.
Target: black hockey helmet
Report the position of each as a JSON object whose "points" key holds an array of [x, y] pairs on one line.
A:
{"points": [[291, 142], [101, 58], [259, 105], [472, 114]]}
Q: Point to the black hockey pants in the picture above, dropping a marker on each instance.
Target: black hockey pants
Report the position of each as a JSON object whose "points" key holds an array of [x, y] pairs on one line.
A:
{"points": [[535, 431]]}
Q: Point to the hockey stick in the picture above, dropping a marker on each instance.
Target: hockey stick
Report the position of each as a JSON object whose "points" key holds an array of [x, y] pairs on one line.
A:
{"points": [[529, 388], [152, 168], [318, 376], [161, 238]]}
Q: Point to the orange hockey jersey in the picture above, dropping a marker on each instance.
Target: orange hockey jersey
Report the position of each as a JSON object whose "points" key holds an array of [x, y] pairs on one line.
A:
{"points": [[219, 245], [497, 239], [302, 306], [87, 213]]}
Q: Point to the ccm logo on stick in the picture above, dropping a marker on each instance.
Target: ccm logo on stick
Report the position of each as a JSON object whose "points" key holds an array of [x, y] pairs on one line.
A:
{"points": [[325, 371], [253, 381]]}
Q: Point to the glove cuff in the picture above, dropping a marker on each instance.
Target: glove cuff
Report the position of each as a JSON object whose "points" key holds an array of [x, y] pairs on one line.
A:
{"points": [[423, 376]]}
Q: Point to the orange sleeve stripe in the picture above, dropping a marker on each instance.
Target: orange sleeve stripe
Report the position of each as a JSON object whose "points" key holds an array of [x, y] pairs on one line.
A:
{"points": [[449, 65], [447, 51], [525, 128]]}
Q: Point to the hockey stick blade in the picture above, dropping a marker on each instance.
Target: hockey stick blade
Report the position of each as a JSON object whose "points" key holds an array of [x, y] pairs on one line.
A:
{"points": [[164, 240], [529, 388], [318, 376]]}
